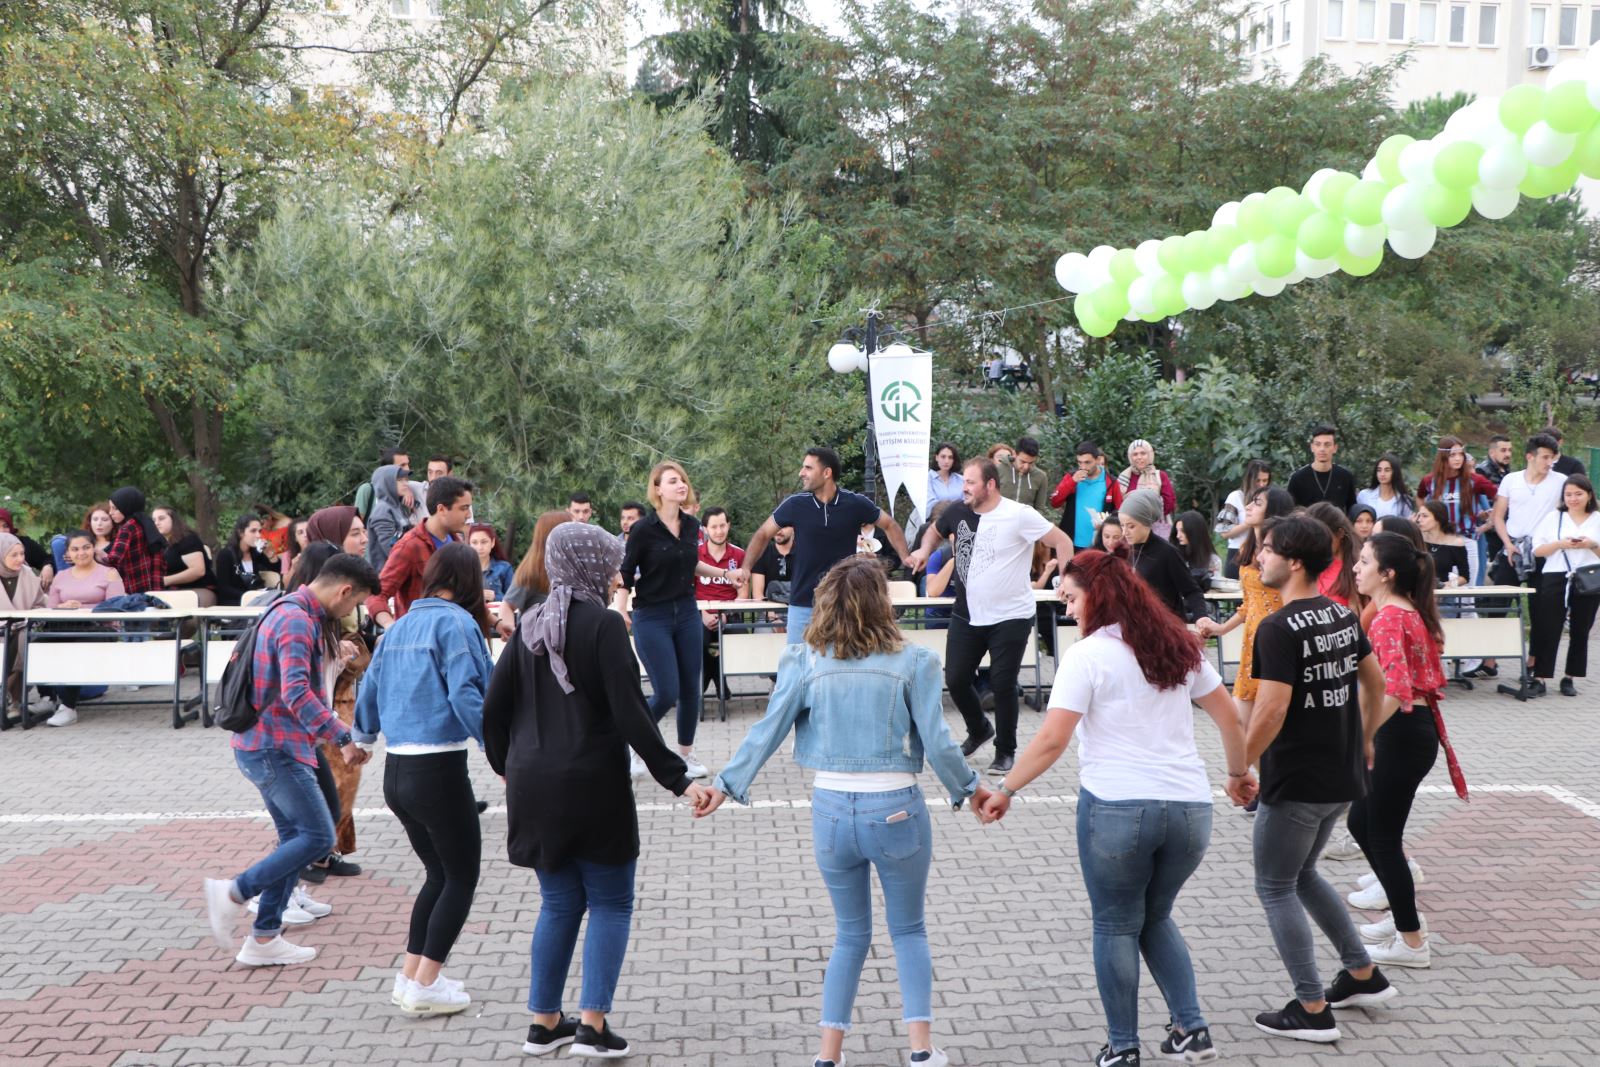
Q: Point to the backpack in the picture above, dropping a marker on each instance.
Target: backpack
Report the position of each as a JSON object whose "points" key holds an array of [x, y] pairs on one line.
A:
{"points": [[233, 707]]}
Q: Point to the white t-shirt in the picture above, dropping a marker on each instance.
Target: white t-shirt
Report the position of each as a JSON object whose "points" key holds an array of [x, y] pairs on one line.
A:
{"points": [[1572, 558], [1135, 742], [1236, 502], [1527, 505], [1381, 508], [993, 553]]}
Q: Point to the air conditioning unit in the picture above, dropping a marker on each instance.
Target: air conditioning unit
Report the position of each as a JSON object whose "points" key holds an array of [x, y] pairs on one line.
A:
{"points": [[1541, 57]]}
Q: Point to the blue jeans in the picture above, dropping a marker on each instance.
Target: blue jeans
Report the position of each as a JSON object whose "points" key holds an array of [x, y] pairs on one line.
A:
{"points": [[799, 619], [305, 830], [606, 893], [1287, 838], [671, 640], [1136, 855], [852, 834]]}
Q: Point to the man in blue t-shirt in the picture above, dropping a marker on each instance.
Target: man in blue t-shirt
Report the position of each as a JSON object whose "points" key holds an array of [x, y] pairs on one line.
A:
{"points": [[826, 521]]}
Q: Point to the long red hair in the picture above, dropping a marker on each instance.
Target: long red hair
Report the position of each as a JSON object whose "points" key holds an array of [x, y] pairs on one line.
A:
{"points": [[1114, 594]]}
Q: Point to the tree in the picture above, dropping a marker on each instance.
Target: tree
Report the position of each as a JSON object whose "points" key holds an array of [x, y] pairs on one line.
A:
{"points": [[572, 294]]}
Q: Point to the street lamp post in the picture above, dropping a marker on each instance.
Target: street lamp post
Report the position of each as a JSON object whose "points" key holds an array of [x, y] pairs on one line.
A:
{"points": [[854, 352]]}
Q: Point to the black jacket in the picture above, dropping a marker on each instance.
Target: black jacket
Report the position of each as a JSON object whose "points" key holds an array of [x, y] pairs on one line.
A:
{"points": [[565, 755], [1164, 569]]}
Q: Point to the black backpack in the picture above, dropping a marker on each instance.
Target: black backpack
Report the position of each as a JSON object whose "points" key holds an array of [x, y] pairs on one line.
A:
{"points": [[233, 707]]}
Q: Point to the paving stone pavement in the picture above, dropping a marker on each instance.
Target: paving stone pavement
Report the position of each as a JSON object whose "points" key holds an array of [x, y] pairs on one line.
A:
{"points": [[107, 828]]}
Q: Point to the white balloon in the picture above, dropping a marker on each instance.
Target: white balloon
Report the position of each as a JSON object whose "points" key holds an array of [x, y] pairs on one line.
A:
{"points": [[1072, 271], [1547, 147], [1371, 171], [1494, 203], [1295, 277], [1403, 208], [1413, 243], [1098, 271], [1593, 88], [1364, 240], [1269, 286], [1242, 265], [1224, 286], [1142, 296], [1197, 290], [1568, 70], [1312, 190], [1226, 215], [1314, 268], [1145, 256], [1416, 161], [1503, 166], [1253, 197]]}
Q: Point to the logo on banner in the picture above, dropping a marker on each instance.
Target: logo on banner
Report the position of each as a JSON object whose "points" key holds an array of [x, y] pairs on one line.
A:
{"points": [[899, 402]]}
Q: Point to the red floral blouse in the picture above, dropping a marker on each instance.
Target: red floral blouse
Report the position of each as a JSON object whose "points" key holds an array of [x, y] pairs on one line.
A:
{"points": [[1413, 674]]}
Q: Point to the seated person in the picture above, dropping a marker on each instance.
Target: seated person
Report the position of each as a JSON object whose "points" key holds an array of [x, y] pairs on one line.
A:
{"points": [[188, 559], [84, 584], [242, 564]]}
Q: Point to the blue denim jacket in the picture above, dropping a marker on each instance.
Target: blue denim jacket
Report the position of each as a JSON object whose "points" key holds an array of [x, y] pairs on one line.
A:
{"points": [[427, 680], [879, 713]]}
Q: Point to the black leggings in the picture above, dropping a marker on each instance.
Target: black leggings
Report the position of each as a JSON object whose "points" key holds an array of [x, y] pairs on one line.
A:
{"points": [[432, 797], [1406, 748]]}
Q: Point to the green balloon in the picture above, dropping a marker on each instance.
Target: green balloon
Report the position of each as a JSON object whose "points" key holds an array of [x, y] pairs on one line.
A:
{"points": [[1588, 153], [1124, 268], [1196, 252], [1170, 254], [1446, 207], [1359, 266], [1549, 181], [1363, 204], [1321, 235], [1096, 326], [1083, 308], [1567, 108], [1336, 188], [1290, 212], [1255, 219], [1222, 240], [1111, 301], [1275, 256], [1456, 165], [1520, 107], [1388, 157], [1168, 293]]}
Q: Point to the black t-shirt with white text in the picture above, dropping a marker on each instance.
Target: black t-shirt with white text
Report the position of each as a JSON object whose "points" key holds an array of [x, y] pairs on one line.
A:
{"points": [[1315, 646]]}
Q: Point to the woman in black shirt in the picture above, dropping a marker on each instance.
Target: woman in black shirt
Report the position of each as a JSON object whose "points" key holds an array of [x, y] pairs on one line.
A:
{"points": [[658, 568], [241, 566], [557, 719], [1156, 559], [188, 559], [1448, 548]]}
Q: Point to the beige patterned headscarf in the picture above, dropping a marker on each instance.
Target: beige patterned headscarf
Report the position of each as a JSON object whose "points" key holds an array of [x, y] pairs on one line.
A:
{"points": [[581, 560]]}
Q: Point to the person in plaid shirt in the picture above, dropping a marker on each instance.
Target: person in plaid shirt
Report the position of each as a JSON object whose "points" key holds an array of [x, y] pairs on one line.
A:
{"points": [[137, 551], [279, 756]]}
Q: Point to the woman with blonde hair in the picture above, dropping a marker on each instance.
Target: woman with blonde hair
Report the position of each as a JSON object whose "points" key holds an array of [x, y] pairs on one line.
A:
{"points": [[865, 708], [659, 566]]}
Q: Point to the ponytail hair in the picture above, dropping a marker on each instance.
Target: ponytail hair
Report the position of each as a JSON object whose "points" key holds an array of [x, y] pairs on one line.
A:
{"points": [[1412, 568], [1113, 593]]}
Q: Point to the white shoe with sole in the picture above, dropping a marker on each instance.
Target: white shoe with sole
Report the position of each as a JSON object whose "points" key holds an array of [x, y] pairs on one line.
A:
{"points": [[275, 953], [292, 915], [223, 911], [440, 998], [1382, 930], [1372, 898], [1396, 953], [402, 983], [64, 716], [314, 908], [42, 705], [1343, 847], [696, 768]]}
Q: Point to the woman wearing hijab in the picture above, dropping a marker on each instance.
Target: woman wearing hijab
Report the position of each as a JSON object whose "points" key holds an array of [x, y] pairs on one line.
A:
{"points": [[389, 518], [20, 590], [1141, 473], [564, 706], [138, 551], [1156, 559]]}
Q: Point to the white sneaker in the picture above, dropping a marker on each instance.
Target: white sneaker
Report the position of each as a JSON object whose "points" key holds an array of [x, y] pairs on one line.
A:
{"points": [[1382, 930], [314, 908], [1343, 847], [932, 1058], [292, 915], [223, 911], [275, 953], [42, 705], [696, 768], [1396, 953], [64, 716], [440, 998], [636, 766], [402, 983], [1372, 898], [1370, 879]]}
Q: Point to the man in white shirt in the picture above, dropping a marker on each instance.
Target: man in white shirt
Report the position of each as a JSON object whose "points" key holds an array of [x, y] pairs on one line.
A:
{"points": [[1525, 498], [994, 609]]}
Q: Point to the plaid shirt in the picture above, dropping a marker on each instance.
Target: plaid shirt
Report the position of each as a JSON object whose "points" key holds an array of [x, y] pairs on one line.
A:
{"points": [[141, 569], [287, 679]]}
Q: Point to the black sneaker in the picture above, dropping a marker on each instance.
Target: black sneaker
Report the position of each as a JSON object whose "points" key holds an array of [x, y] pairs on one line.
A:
{"points": [[605, 1044], [1294, 1021], [1535, 688], [543, 1039], [1567, 688], [313, 874], [1482, 671], [1349, 991], [1128, 1057], [343, 868], [1001, 765], [977, 741], [1193, 1047]]}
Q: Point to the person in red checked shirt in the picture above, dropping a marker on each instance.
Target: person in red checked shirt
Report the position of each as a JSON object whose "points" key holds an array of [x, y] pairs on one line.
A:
{"points": [[715, 551]]}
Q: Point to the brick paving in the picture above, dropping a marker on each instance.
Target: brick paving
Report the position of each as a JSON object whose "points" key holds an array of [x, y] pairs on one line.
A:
{"points": [[107, 828]]}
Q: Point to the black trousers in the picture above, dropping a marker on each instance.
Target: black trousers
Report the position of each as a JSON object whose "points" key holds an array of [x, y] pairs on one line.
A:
{"points": [[1405, 750], [330, 788], [1004, 644], [432, 797], [1552, 607]]}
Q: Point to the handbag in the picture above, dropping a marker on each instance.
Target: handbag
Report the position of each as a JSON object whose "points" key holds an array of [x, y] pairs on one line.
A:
{"points": [[1585, 580]]}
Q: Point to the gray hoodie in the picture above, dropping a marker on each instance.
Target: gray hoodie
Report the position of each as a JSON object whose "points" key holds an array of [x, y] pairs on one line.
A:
{"points": [[389, 519]]}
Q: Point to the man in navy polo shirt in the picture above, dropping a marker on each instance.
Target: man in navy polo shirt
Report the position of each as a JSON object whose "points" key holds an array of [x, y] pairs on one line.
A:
{"points": [[827, 521]]}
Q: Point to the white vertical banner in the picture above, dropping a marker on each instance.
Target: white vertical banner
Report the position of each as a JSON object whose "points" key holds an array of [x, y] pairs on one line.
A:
{"points": [[901, 387]]}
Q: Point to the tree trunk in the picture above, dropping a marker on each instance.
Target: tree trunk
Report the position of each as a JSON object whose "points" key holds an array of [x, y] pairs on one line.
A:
{"points": [[200, 453]]}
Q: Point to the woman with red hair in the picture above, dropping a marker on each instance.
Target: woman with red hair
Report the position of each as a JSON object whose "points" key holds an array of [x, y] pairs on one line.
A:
{"points": [[1144, 800]]}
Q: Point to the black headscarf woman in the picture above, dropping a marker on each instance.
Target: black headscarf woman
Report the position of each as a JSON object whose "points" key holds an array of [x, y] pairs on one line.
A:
{"points": [[130, 502]]}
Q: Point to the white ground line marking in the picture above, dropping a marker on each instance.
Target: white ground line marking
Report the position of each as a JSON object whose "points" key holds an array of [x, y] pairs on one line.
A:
{"points": [[1580, 804]]}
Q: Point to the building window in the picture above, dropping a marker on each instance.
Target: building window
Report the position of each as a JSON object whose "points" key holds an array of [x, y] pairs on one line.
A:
{"points": [[1569, 28], [1458, 23], [1266, 41], [1488, 24], [1537, 18], [400, 8], [1427, 22], [1334, 26], [1594, 25], [1367, 20], [1283, 21], [1397, 21]]}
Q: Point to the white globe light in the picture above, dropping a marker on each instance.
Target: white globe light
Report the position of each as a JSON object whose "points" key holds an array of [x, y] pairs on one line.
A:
{"points": [[842, 357]]}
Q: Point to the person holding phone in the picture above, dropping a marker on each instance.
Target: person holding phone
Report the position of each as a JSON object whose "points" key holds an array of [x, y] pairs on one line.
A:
{"points": [[1566, 539]]}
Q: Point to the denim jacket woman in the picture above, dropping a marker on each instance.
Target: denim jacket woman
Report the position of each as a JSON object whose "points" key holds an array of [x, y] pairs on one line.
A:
{"points": [[879, 713]]}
